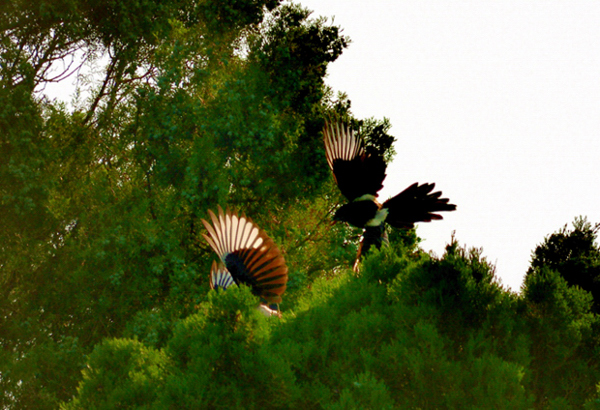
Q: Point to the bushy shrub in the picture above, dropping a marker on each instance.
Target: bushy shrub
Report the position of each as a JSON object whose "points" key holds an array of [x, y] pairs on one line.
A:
{"points": [[409, 331], [121, 373], [223, 359], [564, 342]]}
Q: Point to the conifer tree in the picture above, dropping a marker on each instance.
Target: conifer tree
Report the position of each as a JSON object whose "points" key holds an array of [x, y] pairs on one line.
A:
{"points": [[560, 292], [575, 255]]}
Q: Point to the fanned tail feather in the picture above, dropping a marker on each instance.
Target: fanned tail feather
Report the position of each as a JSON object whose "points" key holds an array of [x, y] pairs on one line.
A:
{"points": [[249, 255], [220, 278]]}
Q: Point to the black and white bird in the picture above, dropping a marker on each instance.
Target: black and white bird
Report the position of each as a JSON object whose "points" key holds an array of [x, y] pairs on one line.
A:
{"points": [[247, 256], [359, 175]]}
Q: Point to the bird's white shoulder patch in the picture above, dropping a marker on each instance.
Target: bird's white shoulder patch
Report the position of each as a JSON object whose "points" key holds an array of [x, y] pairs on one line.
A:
{"points": [[365, 197], [379, 217]]}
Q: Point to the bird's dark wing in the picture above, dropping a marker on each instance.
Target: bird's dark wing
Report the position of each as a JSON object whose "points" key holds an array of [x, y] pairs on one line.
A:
{"points": [[250, 256], [356, 172], [416, 204]]}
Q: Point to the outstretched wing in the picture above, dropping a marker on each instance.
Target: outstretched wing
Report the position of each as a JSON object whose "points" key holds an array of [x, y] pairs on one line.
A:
{"points": [[416, 204], [356, 172], [250, 256]]}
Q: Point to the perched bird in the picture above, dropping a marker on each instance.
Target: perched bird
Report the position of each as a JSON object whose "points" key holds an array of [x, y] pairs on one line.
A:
{"points": [[247, 255], [359, 174]]}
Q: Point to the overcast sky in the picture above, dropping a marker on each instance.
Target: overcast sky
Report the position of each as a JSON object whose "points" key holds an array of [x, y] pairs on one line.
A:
{"points": [[497, 102]]}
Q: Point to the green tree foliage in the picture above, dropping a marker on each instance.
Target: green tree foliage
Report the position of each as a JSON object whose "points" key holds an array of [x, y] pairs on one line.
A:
{"points": [[351, 342], [575, 255], [561, 311], [410, 331], [190, 105], [564, 342], [145, 369]]}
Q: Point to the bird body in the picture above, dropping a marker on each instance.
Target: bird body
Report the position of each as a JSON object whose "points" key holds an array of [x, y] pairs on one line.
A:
{"points": [[365, 212], [247, 255], [373, 236]]}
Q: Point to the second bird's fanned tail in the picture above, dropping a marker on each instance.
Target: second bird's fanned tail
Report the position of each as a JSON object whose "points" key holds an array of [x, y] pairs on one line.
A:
{"points": [[248, 254], [220, 278], [416, 204]]}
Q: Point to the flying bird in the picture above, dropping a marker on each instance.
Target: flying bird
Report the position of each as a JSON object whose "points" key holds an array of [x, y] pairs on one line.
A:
{"points": [[359, 174], [247, 256]]}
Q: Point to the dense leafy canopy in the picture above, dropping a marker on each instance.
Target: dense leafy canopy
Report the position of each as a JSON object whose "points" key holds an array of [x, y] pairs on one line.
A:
{"points": [[104, 274]]}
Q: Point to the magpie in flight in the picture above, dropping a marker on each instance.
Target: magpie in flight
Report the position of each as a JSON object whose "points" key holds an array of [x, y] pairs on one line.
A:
{"points": [[359, 174], [247, 255]]}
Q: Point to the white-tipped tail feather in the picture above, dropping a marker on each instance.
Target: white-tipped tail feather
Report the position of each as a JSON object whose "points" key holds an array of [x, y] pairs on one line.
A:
{"points": [[231, 233], [247, 254]]}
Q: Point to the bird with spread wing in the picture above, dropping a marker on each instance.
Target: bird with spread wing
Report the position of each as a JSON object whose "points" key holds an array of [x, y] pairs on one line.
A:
{"points": [[247, 255], [359, 174]]}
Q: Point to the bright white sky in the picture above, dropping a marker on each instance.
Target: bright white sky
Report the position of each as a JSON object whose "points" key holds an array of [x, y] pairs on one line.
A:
{"points": [[497, 102]]}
